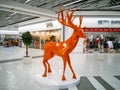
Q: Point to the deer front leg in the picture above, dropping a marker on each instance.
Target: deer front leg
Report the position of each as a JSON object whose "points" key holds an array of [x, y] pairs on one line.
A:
{"points": [[64, 67], [69, 63]]}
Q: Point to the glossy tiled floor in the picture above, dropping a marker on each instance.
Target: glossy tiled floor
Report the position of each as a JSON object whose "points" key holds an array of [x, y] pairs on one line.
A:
{"points": [[97, 71], [7, 53]]}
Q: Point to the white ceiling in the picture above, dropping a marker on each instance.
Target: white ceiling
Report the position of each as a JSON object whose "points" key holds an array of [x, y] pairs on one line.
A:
{"points": [[13, 12]]}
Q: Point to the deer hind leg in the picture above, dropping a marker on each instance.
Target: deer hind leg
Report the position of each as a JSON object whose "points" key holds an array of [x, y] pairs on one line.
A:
{"points": [[45, 63], [49, 68], [69, 63], [45, 68]]}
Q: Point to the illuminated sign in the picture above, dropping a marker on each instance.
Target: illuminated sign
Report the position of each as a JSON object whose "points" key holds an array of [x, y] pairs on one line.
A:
{"points": [[101, 22], [49, 25]]}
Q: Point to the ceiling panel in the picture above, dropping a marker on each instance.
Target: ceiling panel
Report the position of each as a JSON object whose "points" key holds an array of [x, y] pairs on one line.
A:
{"points": [[9, 18]]}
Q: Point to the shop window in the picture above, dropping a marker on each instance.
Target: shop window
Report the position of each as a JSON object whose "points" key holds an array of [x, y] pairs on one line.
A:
{"points": [[42, 37]]}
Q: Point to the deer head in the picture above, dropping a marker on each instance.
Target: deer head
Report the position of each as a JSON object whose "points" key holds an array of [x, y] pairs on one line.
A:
{"points": [[68, 21]]}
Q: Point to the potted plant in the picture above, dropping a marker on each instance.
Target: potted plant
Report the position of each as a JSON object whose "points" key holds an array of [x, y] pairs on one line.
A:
{"points": [[27, 40]]}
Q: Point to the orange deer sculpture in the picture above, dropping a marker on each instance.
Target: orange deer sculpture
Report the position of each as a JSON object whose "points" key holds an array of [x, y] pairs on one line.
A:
{"points": [[63, 49]]}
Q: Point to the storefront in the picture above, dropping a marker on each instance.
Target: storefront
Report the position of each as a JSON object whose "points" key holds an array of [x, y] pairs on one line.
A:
{"points": [[102, 30], [9, 38], [42, 37], [44, 32], [99, 39]]}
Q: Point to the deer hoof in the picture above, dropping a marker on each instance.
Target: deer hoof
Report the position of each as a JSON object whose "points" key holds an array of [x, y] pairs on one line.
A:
{"points": [[74, 77], [49, 71], [44, 75], [63, 78]]}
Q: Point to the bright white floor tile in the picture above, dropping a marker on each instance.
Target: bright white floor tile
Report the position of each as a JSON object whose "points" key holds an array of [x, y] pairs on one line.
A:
{"points": [[95, 83], [115, 83]]}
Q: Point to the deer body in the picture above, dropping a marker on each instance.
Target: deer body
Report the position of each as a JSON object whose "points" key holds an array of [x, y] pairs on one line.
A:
{"points": [[62, 49]]}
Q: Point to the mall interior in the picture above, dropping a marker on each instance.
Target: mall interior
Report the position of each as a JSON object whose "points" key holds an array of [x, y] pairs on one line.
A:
{"points": [[95, 59]]}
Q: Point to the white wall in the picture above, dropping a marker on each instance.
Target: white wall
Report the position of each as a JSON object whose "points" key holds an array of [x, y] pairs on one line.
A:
{"points": [[40, 26], [98, 13], [106, 22], [99, 22], [2, 32]]}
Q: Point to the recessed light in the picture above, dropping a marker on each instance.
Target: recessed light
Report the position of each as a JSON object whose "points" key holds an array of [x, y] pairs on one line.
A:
{"points": [[13, 14], [27, 1], [8, 17]]}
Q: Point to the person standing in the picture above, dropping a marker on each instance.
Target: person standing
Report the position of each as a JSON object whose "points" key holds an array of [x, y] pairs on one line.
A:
{"points": [[96, 44], [105, 46]]}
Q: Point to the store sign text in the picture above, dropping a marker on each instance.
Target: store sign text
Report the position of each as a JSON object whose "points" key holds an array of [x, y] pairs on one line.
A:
{"points": [[49, 25], [113, 22]]}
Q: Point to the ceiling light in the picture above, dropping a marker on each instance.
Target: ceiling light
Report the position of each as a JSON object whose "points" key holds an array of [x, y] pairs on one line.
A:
{"points": [[8, 17], [117, 6], [71, 3], [27, 1], [13, 14], [26, 17]]}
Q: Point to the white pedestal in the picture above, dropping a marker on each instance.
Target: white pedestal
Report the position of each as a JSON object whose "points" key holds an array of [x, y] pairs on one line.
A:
{"points": [[53, 81]]}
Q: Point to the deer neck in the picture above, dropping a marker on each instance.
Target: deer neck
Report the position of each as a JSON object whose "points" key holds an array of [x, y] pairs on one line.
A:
{"points": [[72, 41]]}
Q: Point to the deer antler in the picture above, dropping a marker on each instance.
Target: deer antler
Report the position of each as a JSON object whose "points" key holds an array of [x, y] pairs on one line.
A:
{"points": [[80, 19], [66, 20]]}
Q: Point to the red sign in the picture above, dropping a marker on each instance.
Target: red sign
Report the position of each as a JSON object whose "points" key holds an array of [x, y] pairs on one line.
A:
{"points": [[101, 29]]}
